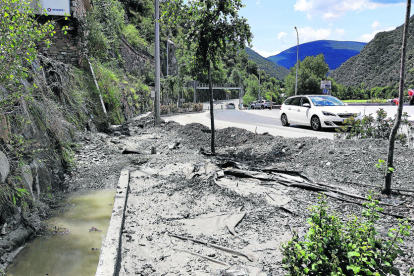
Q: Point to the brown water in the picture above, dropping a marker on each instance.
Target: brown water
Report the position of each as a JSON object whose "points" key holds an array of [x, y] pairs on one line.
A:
{"points": [[69, 251]]}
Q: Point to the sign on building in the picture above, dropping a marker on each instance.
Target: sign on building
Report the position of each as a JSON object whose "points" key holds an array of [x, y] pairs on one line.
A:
{"points": [[51, 7]]}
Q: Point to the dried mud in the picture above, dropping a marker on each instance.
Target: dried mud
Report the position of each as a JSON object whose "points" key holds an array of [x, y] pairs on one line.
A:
{"points": [[180, 191]]}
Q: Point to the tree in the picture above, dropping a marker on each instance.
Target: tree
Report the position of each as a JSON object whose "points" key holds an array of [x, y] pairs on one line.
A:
{"points": [[212, 27], [390, 166], [19, 34], [311, 71], [251, 85]]}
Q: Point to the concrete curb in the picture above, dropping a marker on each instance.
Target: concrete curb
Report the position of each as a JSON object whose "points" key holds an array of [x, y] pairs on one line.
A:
{"points": [[109, 257]]}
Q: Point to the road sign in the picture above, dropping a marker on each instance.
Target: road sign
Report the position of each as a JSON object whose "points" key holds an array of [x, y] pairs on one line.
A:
{"points": [[326, 84], [52, 7]]}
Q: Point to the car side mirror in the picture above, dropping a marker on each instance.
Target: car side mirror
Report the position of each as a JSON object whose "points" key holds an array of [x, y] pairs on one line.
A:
{"points": [[345, 104], [306, 105]]}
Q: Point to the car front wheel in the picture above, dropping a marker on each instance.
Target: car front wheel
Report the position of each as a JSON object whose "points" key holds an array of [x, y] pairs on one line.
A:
{"points": [[315, 123], [284, 120]]}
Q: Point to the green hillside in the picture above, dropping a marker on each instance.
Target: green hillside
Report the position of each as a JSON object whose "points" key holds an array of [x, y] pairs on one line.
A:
{"points": [[378, 64], [271, 68]]}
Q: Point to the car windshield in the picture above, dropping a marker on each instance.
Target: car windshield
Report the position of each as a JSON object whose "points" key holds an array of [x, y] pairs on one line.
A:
{"points": [[325, 101]]}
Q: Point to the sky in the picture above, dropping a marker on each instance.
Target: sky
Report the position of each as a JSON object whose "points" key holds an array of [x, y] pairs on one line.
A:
{"points": [[272, 22]]}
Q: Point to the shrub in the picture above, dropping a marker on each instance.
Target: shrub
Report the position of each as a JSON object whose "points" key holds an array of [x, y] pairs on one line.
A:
{"points": [[164, 109], [133, 36], [377, 101], [104, 24], [368, 127], [173, 108], [332, 247]]}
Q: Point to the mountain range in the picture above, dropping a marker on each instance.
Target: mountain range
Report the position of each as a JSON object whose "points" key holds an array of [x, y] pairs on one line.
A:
{"points": [[335, 52]]}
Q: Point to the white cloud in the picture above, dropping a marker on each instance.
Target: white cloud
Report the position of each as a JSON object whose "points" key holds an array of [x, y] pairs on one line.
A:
{"points": [[258, 2], [330, 15], [369, 37], [340, 32], [375, 24], [308, 34], [281, 35], [303, 5], [330, 9], [266, 53]]}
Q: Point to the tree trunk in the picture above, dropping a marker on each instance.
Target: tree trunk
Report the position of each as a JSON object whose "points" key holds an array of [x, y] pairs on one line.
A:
{"points": [[390, 161], [210, 86]]}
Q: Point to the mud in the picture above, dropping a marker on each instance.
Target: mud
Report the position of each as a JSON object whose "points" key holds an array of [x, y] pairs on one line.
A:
{"points": [[180, 192]]}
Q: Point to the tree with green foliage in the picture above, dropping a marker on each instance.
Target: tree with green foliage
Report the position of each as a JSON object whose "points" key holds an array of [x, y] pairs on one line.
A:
{"points": [[251, 85], [312, 70], [19, 34], [212, 27]]}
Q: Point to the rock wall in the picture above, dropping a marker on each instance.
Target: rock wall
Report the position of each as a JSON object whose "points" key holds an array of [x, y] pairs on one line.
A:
{"points": [[135, 60], [67, 47]]}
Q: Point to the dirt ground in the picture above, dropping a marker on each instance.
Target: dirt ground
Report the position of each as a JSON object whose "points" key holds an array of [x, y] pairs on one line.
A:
{"points": [[189, 213]]}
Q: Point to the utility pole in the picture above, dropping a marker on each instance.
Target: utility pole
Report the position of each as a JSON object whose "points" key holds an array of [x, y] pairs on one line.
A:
{"points": [[157, 64], [194, 83], [297, 62], [260, 98]]}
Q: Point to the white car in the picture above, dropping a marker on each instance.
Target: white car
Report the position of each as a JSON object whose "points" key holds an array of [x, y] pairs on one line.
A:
{"points": [[316, 111]]}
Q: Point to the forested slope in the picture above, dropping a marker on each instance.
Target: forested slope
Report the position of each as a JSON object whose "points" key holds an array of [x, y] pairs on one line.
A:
{"points": [[378, 64], [271, 68]]}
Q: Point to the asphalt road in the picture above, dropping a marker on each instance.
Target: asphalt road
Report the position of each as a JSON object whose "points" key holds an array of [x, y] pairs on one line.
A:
{"points": [[256, 117], [261, 121], [258, 121]]}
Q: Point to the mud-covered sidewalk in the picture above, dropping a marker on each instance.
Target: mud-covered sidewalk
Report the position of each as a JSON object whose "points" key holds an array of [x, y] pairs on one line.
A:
{"points": [[189, 213]]}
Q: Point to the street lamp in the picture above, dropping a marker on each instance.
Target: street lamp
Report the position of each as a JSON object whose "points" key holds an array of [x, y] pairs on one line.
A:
{"points": [[297, 62], [260, 98]]}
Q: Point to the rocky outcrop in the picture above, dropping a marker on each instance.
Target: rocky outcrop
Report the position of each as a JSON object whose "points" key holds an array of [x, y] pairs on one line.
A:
{"points": [[27, 177], [135, 59], [4, 167]]}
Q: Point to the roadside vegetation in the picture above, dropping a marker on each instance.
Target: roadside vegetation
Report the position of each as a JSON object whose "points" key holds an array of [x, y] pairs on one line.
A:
{"points": [[334, 247]]}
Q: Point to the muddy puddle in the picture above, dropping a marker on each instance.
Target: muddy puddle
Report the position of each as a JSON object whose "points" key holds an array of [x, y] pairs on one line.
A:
{"points": [[73, 246]]}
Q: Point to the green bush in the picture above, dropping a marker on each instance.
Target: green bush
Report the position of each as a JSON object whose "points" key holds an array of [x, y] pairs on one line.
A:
{"points": [[164, 109], [377, 101], [133, 37], [368, 127], [104, 26], [173, 108], [332, 247]]}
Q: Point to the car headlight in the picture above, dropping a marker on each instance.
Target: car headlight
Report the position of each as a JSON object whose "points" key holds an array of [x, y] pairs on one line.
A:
{"points": [[326, 113]]}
